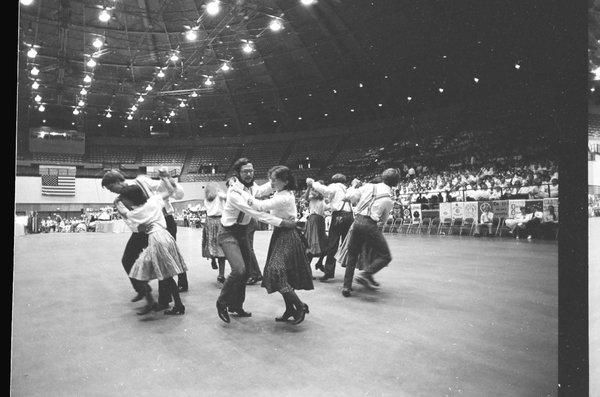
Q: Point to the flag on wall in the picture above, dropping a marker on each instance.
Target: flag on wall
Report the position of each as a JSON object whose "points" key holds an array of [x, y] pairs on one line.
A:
{"points": [[58, 181]]}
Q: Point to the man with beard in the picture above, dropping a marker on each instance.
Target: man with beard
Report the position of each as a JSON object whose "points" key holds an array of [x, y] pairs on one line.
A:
{"points": [[114, 181], [233, 236]]}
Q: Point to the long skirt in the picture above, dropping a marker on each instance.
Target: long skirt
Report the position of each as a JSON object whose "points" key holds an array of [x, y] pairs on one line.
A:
{"points": [[161, 259], [342, 254], [210, 246], [315, 235], [287, 267]]}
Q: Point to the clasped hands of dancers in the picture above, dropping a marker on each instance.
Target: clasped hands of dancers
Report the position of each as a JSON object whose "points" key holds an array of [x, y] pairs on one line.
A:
{"points": [[287, 268]]}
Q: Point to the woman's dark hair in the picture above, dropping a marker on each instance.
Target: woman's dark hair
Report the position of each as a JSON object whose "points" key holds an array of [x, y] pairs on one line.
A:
{"points": [[135, 194], [284, 174], [338, 178]]}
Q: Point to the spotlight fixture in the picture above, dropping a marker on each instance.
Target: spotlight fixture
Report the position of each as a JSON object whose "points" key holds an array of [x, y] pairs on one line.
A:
{"points": [[168, 121], [140, 99], [75, 111], [307, 2], [149, 87], [32, 53], [213, 7], [26, 2], [91, 63], [108, 115], [133, 108], [104, 16], [247, 48], [517, 66], [409, 98], [38, 98], [35, 85], [83, 91], [225, 67], [172, 114], [174, 58], [87, 79], [97, 43], [208, 82], [81, 103], [42, 108], [194, 94], [35, 71], [475, 79], [182, 104], [191, 34], [440, 90], [160, 74], [130, 117]]}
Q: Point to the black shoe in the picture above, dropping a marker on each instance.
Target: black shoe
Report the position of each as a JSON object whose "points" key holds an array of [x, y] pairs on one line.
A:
{"points": [[240, 312], [146, 309], [299, 316], [366, 280], [181, 289], [346, 292], [222, 312], [160, 306], [325, 277], [251, 281], [319, 266], [285, 316], [214, 265], [175, 310], [221, 279], [138, 297]]}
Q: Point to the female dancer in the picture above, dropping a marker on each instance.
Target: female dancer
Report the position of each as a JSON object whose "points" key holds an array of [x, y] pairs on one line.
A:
{"points": [[315, 227], [161, 259], [287, 268], [210, 247]]}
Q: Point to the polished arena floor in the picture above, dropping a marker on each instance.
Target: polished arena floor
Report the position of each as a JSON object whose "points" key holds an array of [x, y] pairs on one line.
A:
{"points": [[454, 316]]}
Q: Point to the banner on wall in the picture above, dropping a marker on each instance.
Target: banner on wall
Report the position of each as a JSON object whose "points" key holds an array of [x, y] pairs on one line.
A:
{"points": [[470, 210], [483, 206], [406, 212], [445, 211], [500, 209], [415, 211], [536, 205], [550, 205], [457, 210], [514, 207]]}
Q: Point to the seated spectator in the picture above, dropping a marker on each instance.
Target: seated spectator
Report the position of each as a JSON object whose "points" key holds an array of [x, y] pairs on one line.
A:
{"points": [[496, 193], [486, 219], [554, 188], [515, 222], [531, 226], [537, 193]]}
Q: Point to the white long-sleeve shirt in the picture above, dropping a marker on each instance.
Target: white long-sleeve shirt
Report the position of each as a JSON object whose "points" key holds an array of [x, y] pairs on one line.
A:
{"points": [[215, 207], [380, 208], [282, 205], [152, 186], [149, 212], [237, 210], [336, 193]]}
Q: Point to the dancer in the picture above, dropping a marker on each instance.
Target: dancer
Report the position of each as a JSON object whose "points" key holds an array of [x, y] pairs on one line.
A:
{"points": [[214, 202], [287, 268], [114, 181], [341, 217], [315, 227], [233, 238], [161, 259], [374, 204]]}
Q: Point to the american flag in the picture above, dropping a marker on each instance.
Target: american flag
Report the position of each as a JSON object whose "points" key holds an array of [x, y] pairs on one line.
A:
{"points": [[58, 185]]}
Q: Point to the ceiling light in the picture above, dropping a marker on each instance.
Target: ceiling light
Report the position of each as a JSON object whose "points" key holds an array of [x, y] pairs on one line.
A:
{"points": [[42, 108], [172, 114], [475, 79], [596, 72], [76, 111], [182, 104], [274, 121], [38, 98], [168, 121], [247, 48], [104, 16], [335, 91], [299, 117], [32, 53], [249, 123], [409, 98], [87, 79], [380, 105], [213, 7], [99, 125], [83, 91], [35, 85], [130, 117], [517, 66], [275, 25], [225, 67], [161, 74], [81, 103], [194, 94], [307, 2], [140, 99], [133, 108], [108, 115], [440, 90], [91, 63], [326, 114], [191, 35], [26, 2], [208, 82], [35, 71], [360, 85], [97, 43], [174, 58], [148, 87], [352, 110]]}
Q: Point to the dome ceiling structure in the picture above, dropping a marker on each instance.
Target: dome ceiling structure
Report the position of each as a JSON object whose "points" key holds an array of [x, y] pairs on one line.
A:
{"points": [[307, 66]]}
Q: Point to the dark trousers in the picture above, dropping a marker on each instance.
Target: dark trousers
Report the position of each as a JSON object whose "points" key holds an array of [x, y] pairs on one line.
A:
{"points": [[234, 243], [253, 269], [137, 242], [340, 223], [365, 230], [164, 293]]}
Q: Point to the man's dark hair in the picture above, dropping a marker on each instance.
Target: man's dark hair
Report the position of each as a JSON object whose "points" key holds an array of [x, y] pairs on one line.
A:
{"points": [[284, 174], [134, 194], [237, 166], [111, 177], [391, 177], [338, 178]]}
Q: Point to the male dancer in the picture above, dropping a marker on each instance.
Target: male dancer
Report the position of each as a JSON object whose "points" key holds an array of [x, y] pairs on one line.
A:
{"points": [[341, 218], [114, 181], [374, 204], [233, 237]]}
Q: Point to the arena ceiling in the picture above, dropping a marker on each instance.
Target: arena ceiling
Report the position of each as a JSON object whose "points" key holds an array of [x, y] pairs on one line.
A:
{"points": [[308, 66]]}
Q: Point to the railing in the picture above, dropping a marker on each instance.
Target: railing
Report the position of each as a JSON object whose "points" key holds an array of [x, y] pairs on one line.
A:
{"points": [[505, 193]]}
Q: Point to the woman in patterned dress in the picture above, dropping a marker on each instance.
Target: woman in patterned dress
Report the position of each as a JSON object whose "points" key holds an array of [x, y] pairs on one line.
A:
{"points": [[161, 259], [210, 247], [315, 227], [287, 268]]}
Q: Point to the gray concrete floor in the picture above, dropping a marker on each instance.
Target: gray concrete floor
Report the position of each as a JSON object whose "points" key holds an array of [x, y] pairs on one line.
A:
{"points": [[454, 316], [593, 304]]}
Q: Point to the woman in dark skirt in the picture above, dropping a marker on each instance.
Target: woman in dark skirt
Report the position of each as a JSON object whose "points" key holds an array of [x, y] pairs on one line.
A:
{"points": [[210, 247], [315, 228], [287, 268]]}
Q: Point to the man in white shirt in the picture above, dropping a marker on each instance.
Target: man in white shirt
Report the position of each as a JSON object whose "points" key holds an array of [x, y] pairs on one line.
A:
{"points": [[233, 237], [114, 181], [341, 217], [374, 203]]}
